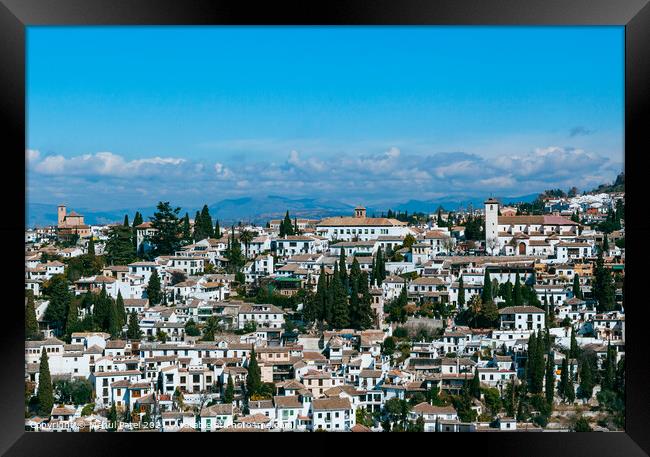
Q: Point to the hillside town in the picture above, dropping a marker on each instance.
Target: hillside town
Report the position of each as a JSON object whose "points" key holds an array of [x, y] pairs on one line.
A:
{"points": [[508, 317]]}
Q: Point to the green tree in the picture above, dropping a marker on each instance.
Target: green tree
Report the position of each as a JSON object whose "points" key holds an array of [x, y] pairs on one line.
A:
{"points": [[229, 393], [45, 394], [91, 247], [233, 252], [492, 400], [582, 425], [112, 418], [153, 288], [72, 318], [32, 331], [517, 298], [549, 381], [577, 292], [461, 293], [207, 230], [254, 377], [191, 328], [510, 398], [564, 378], [388, 346], [114, 327], [120, 247], [340, 312], [167, 236], [217, 230], [475, 385], [133, 332], [186, 232], [121, 310], [126, 220], [603, 286], [60, 297], [286, 227], [574, 349], [586, 386], [486, 294], [137, 220], [409, 240], [246, 237], [433, 396]]}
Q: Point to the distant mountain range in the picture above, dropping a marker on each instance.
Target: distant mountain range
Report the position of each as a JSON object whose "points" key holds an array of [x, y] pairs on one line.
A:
{"points": [[260, 209]]}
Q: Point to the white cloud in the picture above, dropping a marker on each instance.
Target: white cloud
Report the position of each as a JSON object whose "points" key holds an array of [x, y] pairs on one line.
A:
{"points": [[106, 164], [32, 155], [222, 171]]}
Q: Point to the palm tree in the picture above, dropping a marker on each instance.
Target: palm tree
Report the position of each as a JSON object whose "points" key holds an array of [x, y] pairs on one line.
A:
{"points": [[211, 328], [246, 236]]}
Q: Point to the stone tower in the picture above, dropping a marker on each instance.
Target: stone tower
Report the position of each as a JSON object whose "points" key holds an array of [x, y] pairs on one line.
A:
{"points": [[491, 226], [61, 212], [360, 212]]}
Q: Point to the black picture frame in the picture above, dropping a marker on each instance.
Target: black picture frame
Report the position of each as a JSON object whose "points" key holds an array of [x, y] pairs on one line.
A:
{"points": [[15, 15]]}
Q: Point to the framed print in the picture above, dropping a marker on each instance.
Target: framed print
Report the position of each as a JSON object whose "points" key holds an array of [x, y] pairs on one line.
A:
{"points": [[354, 218]]}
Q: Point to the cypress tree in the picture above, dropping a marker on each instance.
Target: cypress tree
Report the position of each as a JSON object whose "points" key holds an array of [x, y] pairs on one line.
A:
{"points": [[320, 298], [286, 226], [186, 232], [531, 359], [569, 392], [355, 308], [198, 227], [45, 393], [133, 332], [126, 221], [254, 377], [475, 385], [605, 244], [153, 288], [586, 387], [574, 350], [564, 378], [112, 418], [60, 298], [207, 230], [340, 312], [91, 247], [366, 313], [217, 230], [608, 378], [32, 331], [121, 310], [72, 319], [550, 379], [486, 295], [577, 292], [137, 220], [114, 327], [539, 365], [516, 292], [603, 286], [343, 269], [380, 275], [461, 293], [229, 394]]}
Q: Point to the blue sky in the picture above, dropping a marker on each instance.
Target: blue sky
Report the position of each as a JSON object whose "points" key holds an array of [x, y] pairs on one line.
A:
{"points": [[121, 117]]}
